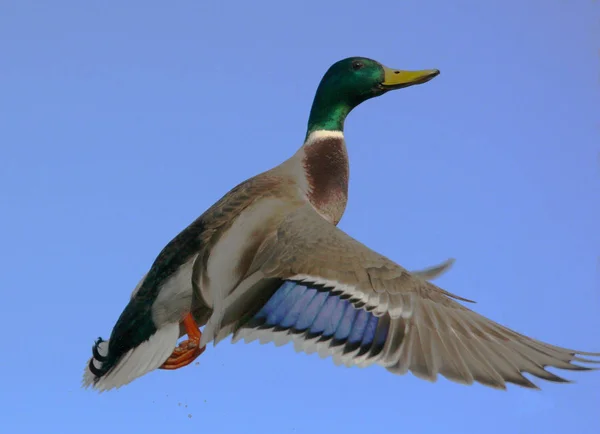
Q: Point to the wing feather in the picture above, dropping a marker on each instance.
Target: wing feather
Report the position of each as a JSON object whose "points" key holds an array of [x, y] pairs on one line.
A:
{"points": [[426, 330]]}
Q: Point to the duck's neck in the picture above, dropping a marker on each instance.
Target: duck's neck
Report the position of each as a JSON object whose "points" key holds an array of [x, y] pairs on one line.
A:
{"points": [[328, 111], [326, 169], [327, 118]]}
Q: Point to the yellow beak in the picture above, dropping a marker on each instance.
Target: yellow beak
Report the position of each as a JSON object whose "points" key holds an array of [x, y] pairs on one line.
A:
{"points": [[396, 79]]}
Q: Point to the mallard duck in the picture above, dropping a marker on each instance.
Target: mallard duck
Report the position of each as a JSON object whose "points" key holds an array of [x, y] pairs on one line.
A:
{"points": [[268, 262]]}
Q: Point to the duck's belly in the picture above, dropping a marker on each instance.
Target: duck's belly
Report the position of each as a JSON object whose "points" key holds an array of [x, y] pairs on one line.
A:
{"points": [[231, 256]]}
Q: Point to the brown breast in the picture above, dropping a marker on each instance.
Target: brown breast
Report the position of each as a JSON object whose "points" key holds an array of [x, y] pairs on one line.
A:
{"points": [[326, 169]]}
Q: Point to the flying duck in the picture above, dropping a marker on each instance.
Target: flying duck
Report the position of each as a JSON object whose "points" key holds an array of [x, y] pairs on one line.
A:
{"points": [[267, 262]]}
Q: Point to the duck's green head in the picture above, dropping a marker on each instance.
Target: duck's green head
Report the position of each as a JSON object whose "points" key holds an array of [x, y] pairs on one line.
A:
{"points": [[351, 81]]}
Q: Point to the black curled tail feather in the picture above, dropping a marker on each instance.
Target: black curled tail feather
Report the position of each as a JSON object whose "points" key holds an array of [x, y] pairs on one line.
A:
{"points": [[97, 357], [95, 351], [133, 327]]}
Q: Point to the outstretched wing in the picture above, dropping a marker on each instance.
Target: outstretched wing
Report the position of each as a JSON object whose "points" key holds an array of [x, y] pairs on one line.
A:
{"points": [[335, 296]]}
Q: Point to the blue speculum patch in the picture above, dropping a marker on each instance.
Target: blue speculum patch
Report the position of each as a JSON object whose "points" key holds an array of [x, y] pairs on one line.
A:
{"points": [[302, 308]]}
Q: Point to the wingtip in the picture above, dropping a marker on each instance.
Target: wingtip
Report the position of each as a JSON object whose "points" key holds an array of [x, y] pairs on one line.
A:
{"points": [[435, 271]]}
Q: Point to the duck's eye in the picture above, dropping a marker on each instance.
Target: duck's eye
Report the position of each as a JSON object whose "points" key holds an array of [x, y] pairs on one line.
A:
{"points": [[357, 64]]}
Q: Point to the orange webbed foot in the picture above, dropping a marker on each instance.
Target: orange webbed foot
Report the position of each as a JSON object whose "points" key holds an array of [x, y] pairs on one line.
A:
{"points": [[187, 351]]}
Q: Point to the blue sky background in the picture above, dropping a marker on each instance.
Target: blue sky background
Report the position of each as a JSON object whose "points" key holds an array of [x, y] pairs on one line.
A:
{"points": [[120, 122]]}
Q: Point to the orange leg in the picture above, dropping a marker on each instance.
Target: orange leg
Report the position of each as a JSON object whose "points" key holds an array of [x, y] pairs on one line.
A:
{"points": [[188, 350]]}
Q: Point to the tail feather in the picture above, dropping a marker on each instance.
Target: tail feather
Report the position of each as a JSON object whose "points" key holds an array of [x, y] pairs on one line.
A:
{"points": [[138, 361]]}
